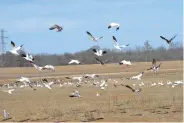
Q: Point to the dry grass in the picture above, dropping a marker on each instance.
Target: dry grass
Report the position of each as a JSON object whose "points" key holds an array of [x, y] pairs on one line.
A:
{"points": [[115, 104]]}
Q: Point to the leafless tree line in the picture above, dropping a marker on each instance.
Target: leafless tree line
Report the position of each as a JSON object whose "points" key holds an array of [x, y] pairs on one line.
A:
{"points": [[140, 53]]}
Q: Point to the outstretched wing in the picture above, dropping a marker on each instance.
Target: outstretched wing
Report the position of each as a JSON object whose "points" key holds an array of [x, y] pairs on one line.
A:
{"points": [[100, 38], [53, 27], [129, 87], [154, 63], [159, 64], [12, 44], [173, 37], [165, 39], [98, 60], [90, 34]]}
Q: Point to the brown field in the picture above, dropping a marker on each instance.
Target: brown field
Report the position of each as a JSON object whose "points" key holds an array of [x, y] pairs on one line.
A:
{"points": [[116, 104]]}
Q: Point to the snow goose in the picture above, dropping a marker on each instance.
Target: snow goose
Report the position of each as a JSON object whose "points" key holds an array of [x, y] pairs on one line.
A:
{"points": [[15, 50], [138, 77], [93, 38], [117, 46], [116, 25], [74, 61], [99, 52]]}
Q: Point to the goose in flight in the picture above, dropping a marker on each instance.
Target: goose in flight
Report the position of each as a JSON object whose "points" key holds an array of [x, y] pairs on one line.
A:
{"points": [[99, 52], [15, 49], [27, 57], [48, 85], [124, 62], [133, 90], [9, 91], [93, 38], [169, 40], [36, 66], [59, 28], [155, 68], [74, 61], [48, 67], [102, 63], [138, 77], [116, 25], [116, 45]]}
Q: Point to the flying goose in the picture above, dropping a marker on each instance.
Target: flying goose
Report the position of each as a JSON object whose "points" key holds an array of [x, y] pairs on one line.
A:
{"points": [[102, 63], [27, 57], [93, 38], [99, 52], [74, 61], [48, 67], [116, 25], [59, 28], [15, 49], [169, 40], [9, 91], [133, 90], [155, 68], [116, 45], [138, 77], [124, 62]]}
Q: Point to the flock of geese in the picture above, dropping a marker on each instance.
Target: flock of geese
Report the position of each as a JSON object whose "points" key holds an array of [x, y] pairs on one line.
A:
{"points": [[79, 80]]}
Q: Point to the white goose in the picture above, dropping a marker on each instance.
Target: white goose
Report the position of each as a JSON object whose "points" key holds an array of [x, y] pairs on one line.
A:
{"points": [[27, 57], [24, 79], [9, 91], [15, 49], [117, 46], [48, 85], [138, 77], [5, 114], [116, 25], [99, 52], [93, 38], [48, 67], [124, 62], [74, 61]]}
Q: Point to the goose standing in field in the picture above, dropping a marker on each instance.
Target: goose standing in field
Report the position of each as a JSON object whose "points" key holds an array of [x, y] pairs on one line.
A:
{"points": [[9, 91], [75, 94], [124, 62], [93, 38], [169, 40], [24, 79], [74, 61], [15, 50], [138, 77], [91, 75], [27, 57], [5, 114], [116, 45], [102, 63], [155, 68], [116, 25], [59, 28], [97, 94], [99, 52]]}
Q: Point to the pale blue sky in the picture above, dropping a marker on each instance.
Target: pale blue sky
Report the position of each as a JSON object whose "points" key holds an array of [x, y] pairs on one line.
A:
{"points": [[27, 22]]}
